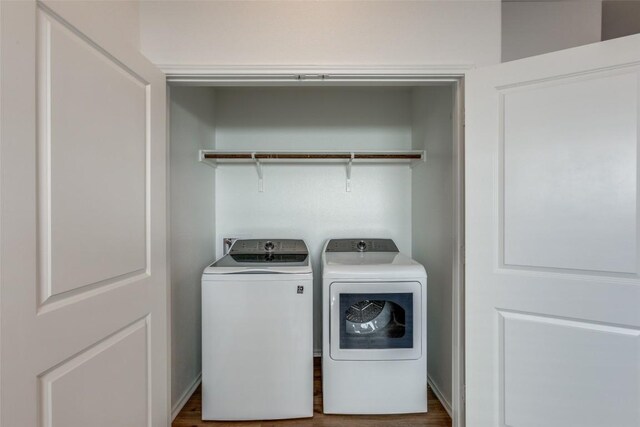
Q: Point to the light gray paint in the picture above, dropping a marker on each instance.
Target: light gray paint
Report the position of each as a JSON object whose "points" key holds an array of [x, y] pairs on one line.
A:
{"points": [[535, 27], [192, 221], [433, 220]]}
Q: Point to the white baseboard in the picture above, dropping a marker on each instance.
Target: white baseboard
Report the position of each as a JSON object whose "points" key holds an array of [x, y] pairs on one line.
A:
{"points": [[445, 404], [192, 388], [185, 397]]}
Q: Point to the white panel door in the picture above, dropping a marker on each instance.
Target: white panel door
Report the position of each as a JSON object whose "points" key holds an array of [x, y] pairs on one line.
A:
{"points": [[83, 301], [552, 279]]}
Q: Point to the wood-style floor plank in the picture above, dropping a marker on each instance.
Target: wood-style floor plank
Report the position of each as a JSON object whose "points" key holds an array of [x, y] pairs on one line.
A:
{"points": [[191, 415]]}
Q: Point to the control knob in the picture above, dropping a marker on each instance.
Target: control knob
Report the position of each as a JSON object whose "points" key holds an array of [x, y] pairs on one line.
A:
{"points": [[361, 246], [269, 246]]}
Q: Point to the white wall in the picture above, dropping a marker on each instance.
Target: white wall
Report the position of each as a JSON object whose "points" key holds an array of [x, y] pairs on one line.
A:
{"points": [[309, 201], [192, 221], [535, 27], [327, 118], [433, 224], [321, 32]]}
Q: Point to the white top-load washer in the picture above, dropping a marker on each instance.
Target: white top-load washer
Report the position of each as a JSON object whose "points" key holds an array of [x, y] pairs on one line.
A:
{"points": [[257, 332], [374, 353]]}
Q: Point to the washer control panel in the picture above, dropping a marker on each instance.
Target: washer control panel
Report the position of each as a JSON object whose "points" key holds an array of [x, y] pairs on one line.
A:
{"points": [[262, 246], [361, 245]]}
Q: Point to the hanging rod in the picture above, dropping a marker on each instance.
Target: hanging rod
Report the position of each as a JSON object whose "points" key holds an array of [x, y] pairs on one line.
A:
{"points": [[313, 156], [213, 157]]}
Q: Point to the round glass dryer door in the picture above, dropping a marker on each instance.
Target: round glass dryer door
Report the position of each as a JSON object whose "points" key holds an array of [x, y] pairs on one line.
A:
{"points": [[376, 321]]}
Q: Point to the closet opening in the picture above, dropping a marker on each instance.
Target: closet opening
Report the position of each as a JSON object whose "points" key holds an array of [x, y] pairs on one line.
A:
{"points": [[312, 158]]}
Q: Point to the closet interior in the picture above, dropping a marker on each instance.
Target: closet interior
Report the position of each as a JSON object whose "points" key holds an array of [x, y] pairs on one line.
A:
{"points": [[315, 162]]}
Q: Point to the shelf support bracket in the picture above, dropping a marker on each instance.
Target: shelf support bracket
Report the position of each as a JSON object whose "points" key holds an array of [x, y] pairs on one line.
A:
{"points": [[260, 174], [349, 164], [202, 159], [423, 159]]}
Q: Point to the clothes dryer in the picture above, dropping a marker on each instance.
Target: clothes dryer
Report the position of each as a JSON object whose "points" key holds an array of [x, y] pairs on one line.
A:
{"points": [[374, 354]]}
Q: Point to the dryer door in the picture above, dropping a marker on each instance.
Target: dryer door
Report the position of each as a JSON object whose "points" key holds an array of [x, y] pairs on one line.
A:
{"points": [[376, 320]]}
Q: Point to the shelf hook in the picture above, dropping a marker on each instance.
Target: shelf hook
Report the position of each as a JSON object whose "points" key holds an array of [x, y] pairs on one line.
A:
{"points": [[349, 163], [260, 174]]}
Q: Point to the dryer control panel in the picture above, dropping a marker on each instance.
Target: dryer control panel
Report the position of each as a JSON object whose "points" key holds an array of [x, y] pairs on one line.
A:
{"points": [[361, 245]]}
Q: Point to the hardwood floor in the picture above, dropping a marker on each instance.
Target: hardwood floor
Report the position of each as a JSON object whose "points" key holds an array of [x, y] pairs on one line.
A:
{"points": [[190, 415]]}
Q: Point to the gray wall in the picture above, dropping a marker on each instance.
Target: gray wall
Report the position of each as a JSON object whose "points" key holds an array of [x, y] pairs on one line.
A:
{"points": [[191, 245], [540, 26], [535, 27], [620, 18], [433, 221]]}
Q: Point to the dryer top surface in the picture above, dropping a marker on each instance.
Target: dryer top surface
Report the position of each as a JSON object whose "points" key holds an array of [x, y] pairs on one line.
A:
{"points": [[370, 265]]}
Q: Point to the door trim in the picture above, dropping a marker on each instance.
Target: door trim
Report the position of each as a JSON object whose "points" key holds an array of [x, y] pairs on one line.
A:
{"points": [[458, 403], [234, 75]]}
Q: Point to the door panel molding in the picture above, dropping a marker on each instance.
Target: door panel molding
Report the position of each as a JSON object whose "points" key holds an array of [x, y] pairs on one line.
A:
{"points": [[592, 376], [94, 70], [139, 329], [68, 298], [607, 81], [53, 16]]}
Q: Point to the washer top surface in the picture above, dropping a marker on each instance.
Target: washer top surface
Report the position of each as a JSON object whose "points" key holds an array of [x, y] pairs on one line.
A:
{"points": [[368, 264], [253, 256]]}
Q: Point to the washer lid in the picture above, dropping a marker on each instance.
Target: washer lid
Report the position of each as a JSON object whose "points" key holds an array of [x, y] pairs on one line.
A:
{"points": [[263, 256]]}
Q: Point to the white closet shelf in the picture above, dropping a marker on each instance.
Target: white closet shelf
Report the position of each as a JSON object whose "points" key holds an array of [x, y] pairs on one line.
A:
{"points": [[213, 157]]}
